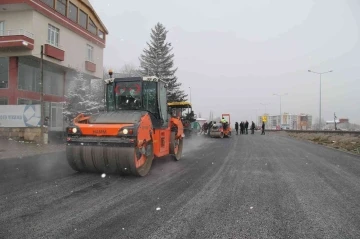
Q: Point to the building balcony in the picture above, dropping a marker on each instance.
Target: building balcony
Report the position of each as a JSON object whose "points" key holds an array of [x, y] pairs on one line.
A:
{"points": [[90, 66], [18, 39], [54, 51]]}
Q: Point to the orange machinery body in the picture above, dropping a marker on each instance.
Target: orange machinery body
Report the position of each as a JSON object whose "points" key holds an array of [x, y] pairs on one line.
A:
{"points": [[127, 137], [138, 134]]}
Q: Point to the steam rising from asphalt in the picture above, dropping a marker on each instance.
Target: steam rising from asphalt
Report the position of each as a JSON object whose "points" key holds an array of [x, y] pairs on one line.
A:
{"points": [[194, 143]]}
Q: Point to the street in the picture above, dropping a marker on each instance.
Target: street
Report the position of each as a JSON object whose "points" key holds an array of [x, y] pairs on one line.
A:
{"points": [[248, 186]]}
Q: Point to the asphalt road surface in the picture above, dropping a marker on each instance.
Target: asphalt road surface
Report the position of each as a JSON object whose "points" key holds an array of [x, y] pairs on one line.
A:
{"points": [[249, 186]]}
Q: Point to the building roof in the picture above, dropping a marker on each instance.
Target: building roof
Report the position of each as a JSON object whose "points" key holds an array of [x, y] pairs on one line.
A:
{"points": [[88, 4]]}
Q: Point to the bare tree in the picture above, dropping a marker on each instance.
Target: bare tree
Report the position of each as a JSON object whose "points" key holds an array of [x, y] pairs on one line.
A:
{"points": [[129, 70]]}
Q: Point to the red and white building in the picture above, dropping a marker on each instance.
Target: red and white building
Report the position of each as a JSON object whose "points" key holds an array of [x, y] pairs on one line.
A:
{"points": [[73, 38]]}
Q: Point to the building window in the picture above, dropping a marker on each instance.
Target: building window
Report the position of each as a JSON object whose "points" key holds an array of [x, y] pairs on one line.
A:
{"points": [[53, 81], [61, 6], [28, 74], [89, 53], [92, 27], [101, 34], [73, 12], [2, 28], [83, 19], [50, 3], [53, 35], [4, 72], [3, 101]]}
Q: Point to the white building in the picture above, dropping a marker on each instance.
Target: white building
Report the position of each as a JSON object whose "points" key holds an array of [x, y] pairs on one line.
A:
{"points": [[73, 38], [287, 121]]}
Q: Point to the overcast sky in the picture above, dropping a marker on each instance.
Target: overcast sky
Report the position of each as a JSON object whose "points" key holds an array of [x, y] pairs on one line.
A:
{"points": [[235, 54]]}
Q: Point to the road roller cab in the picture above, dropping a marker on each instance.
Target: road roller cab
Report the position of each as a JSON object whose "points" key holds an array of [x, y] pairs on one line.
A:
{"points": [[134, 129], [183, 111]]}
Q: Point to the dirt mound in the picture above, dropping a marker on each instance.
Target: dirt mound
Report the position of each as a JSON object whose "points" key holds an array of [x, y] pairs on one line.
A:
{"points": [[342, 142]]}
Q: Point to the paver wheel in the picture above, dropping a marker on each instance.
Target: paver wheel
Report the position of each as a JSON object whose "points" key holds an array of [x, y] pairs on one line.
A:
{"points": [[176, 146]]}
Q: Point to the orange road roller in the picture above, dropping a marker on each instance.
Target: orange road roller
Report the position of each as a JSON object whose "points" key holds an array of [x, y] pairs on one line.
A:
{"points": [[134, 129], [221, 130]]}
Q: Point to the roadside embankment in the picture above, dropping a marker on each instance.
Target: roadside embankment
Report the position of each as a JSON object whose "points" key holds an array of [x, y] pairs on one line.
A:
{"points": [[344, 142]]}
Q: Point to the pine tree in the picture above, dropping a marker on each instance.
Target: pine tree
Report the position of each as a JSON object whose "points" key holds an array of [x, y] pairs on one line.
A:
{"points": [[83, 96], [158, 60]]}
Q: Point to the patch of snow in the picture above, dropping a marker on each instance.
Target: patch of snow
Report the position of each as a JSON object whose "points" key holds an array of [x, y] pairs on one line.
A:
{"points": [[103, 175], [158, 209]]}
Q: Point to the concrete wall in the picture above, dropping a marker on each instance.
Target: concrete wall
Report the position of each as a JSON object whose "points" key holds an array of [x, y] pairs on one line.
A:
{"points": [[25, 134]]}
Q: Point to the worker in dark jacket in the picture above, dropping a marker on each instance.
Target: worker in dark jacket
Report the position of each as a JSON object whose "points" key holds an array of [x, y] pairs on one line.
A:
{"points": [[246, 127], [252, 127], [263, 128], [237, 128], [210, 125]]}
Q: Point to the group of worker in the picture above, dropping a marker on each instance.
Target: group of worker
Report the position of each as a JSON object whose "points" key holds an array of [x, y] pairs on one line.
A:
{"points": [[205, 129], [245, 125]]}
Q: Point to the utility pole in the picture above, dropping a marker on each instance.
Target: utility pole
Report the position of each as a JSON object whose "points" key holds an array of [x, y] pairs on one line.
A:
{"points": [[320, 73], [42, 94], [280, 104], [265, 107], [190, 94], [335, 120]]}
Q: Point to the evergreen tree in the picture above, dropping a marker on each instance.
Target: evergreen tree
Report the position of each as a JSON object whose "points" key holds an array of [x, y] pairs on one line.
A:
{"points": [[83, 96], [157, 60]]}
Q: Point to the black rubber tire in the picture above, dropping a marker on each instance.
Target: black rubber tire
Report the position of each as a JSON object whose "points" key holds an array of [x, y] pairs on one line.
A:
{"points": [[145, 168], [176, 155]]}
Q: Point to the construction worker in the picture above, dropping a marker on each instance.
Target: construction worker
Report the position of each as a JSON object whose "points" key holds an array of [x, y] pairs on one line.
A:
{"points": [[210, 125], [246, 127], [263, 128], [224, 122], [252, 127], [237, 128]]}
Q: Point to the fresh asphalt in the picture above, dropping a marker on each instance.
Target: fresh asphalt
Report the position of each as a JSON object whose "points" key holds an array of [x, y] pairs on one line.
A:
{"points": [[248, 186]]}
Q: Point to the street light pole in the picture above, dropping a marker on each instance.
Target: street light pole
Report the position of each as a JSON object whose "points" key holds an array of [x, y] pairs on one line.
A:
{"points": [[280, 95], [190, 94], [265, 107], [320, 73]]}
